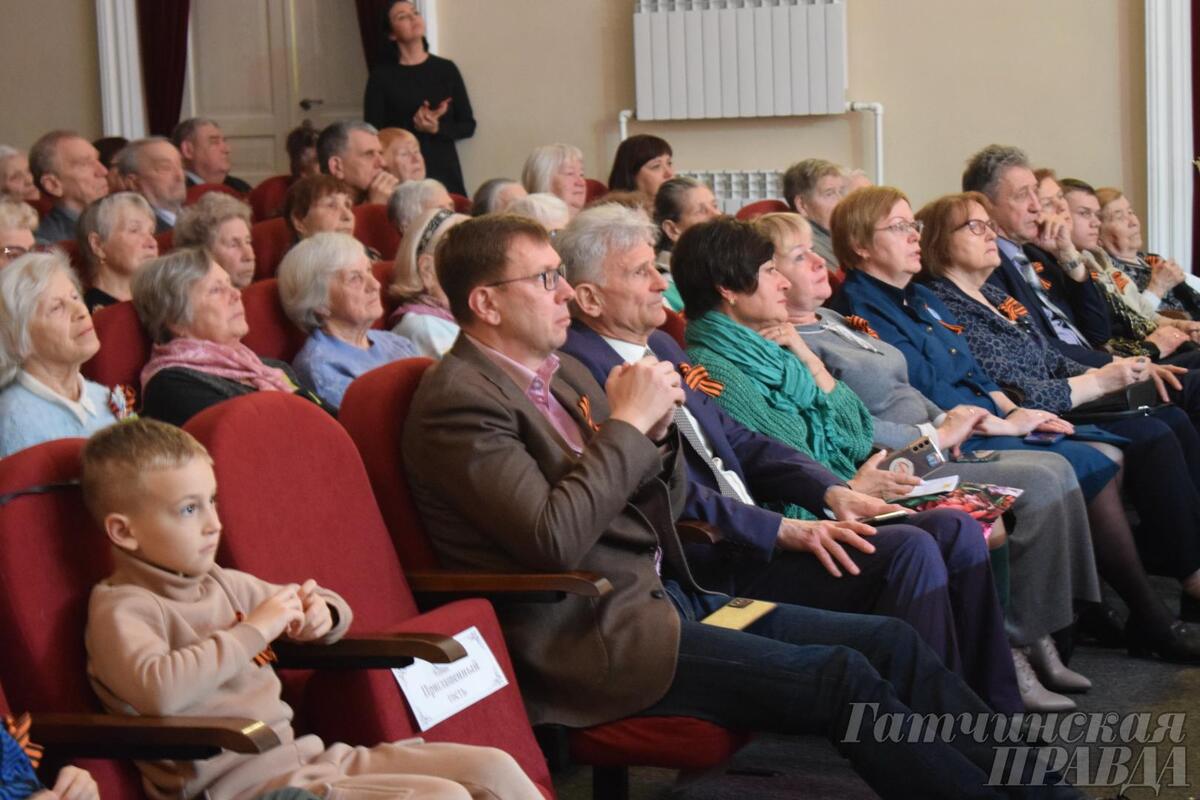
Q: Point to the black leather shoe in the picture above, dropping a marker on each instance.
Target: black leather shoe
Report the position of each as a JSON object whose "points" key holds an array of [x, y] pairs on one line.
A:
{"points": [[1189, 608], [1100, 624], [1179, 644]]}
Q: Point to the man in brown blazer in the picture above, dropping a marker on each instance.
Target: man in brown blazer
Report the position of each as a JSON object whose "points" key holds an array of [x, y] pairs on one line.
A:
{"points": [[519, 461]]}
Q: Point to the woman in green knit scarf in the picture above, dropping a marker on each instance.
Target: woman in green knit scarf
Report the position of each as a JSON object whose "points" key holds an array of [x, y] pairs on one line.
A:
{"points": [[736, 303]]}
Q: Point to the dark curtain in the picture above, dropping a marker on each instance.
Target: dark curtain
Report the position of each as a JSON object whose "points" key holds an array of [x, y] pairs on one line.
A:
{"points": [[1195, 134], [372, 27], [162, 35]]}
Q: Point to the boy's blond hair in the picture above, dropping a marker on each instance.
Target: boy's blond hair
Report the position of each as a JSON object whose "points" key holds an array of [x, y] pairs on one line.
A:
{"points": [[115, 458]]}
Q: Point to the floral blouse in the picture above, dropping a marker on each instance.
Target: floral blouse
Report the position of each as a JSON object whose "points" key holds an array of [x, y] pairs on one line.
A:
{"points": [[1010, 348]]}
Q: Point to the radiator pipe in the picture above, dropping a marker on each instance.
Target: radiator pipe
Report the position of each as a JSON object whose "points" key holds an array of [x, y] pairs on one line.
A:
{"points": [[876, 109], [623, 121]]}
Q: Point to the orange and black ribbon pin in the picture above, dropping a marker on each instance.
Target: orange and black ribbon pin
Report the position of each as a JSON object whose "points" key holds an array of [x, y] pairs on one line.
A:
{"points": [[859, 324], [18, 729], [1012, 309], [698, 380], [952, 328], [585, 408], [267, 656]]}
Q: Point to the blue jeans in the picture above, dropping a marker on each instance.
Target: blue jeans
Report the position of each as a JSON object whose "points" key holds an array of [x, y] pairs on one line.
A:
{"points": [[799, 670]]}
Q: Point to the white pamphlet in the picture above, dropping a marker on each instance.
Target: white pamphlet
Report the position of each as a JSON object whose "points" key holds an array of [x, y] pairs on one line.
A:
{"points": [[934, 486], [438, 691]]}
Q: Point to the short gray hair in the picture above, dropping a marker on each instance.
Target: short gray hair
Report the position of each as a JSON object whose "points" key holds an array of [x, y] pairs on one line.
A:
{"points": [[128, 160], [486, 196], [597, 231], [546, 208], [43, 156], [334, 138], [101, 217], [162, 290], [544, 162], [197, 224], [408, 201], [16, 214], [186, 129], [305, 272], [986, 168], [21, 286]]}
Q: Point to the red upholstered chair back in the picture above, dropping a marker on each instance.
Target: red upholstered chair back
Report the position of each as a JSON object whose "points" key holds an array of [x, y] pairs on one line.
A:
{"points": [[43, 205], [51, 554], [462, 203], [595, 189], [124, 347], [382, 270], [165, 240], [70, 247], [194, 193], [271, 239], [836, 279], [757, 209], [674, 326], [272, 334], [373, 411], [372, 228], [266, 199]]}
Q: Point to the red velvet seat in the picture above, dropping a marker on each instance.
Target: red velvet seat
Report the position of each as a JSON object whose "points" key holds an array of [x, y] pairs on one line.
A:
{"points": [[374, 410], [760, 207], [71, 248], [295, 504], [272, 334], [462, 203], [43, 205], [372, 228], [595, 189], [124, 347], [194, 193], [270, 239], [383, 271], [266, 199], [165, 240], [674, 326]]}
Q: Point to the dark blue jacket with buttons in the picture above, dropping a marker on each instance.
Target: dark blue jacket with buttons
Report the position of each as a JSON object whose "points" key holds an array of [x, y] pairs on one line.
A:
{"points": [[940, 363]]}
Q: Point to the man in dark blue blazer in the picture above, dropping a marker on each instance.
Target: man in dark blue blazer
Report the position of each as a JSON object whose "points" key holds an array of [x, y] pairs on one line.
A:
{"points": [[921, 572]]}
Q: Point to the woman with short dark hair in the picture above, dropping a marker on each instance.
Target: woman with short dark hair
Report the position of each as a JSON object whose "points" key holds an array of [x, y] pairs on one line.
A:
{"points": [[642, 163]]}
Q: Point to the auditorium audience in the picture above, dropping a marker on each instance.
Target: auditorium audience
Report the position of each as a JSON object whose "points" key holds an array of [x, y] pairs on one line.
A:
{"points": [[546, 208], [414, 198], [206, 154], [350, 151], [557, 169], [195, 318], [301, 148], [642, 164], [608, 254], [423, 315], [680, 203], [16, 181], [221, 225], [328, 291], [402, 154], [319, 204], [67, 169], [495, 195], [1050, 555], [116, 239], [154, 169], [812, 188], [46, 335], [879, 245], [511, 476], [18, 221]]}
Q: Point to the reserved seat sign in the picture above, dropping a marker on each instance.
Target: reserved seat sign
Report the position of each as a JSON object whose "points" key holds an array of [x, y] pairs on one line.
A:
{"points": [[439, 691]]}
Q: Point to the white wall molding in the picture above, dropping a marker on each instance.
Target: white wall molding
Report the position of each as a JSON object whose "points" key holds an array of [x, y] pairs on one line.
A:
{"points": [[1169, 152], [121, 99], [429, 10]]}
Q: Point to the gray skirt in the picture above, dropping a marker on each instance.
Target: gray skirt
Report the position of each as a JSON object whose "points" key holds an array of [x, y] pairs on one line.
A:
{"points": [[1051, 564]]}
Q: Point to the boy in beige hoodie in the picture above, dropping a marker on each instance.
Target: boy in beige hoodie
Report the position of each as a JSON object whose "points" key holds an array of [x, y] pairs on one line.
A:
{"points": [[172, 633]]}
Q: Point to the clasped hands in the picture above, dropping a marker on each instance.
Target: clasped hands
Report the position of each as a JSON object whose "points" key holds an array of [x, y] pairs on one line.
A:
{"points": [[645, 394], [296, 610]]}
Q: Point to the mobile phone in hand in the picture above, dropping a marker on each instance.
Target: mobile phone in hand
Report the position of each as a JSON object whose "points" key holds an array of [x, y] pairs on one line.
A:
{"points": [[1044, 437]]}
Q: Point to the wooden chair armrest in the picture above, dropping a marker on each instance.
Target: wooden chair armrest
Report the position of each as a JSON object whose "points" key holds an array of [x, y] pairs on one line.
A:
{"points": [[585, 584], [369, 652], [184, 738], [697, 532]]}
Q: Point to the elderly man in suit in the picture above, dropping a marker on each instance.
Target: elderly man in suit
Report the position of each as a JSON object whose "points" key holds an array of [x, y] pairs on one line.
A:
{"points": [[67, 169], [898, 571], [519, 461]]}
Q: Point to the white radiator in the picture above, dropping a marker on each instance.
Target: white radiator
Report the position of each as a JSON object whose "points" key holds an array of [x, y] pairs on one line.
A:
{"points": [[736, 189], [704, 59]]}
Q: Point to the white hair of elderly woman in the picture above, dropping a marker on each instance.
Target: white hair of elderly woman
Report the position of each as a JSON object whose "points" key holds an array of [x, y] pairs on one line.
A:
{"points": [[16, 214], [407, 283], [544, 162], [411, 199], [546, 208], [305, 273], [21, 286], [162, 290], [101, 218]]}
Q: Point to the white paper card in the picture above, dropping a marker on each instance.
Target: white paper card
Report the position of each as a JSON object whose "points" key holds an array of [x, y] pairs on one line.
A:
{"points": [[934, 486], [439, 691]]}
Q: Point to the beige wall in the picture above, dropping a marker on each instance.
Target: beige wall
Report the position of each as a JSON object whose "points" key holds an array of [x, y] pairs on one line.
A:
{"points": [[952, 75], [50, 68]]}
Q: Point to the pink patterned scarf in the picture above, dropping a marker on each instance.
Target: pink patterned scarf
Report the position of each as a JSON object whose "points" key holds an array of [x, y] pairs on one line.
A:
{"points": [[233, 361], [421, 306]]}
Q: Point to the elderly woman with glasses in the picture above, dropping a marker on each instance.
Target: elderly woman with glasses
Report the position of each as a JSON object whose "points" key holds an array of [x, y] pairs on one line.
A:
{"points": [[18, 221], [46, 335], [116, 237], [423, 316], [194, 316], [328, 290]]}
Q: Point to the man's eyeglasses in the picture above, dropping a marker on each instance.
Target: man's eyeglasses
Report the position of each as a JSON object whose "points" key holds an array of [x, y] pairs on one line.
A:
{"points": [[549, 279], [980, 226], [12, 251], [904, 227]]}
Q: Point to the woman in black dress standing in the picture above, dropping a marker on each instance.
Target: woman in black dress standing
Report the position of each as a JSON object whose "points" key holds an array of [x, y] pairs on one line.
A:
{"points": [[421, 93]]}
